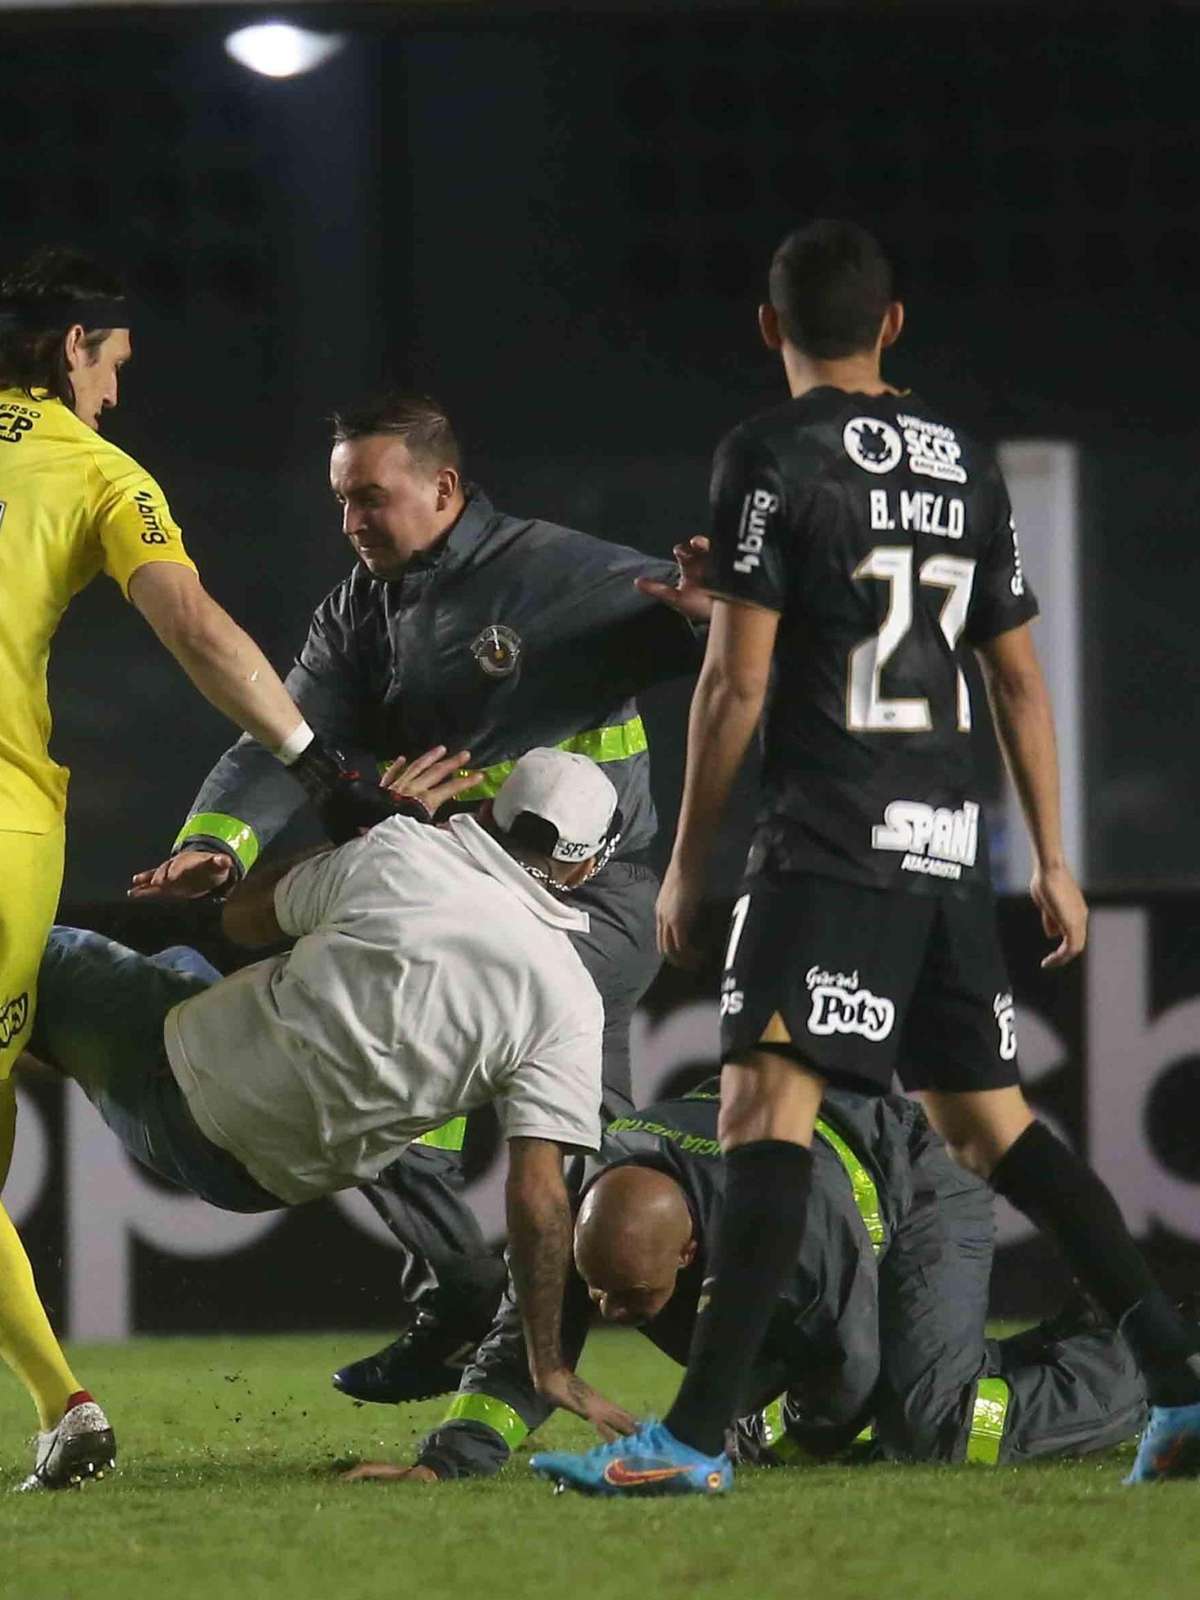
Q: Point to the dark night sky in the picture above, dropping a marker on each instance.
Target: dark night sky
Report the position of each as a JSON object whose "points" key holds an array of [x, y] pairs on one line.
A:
{"points": [[561, 225]]}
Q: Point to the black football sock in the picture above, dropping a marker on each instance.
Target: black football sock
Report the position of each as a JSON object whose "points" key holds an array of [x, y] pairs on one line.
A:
{"points": [[1065, 1198], [758, 1238]]}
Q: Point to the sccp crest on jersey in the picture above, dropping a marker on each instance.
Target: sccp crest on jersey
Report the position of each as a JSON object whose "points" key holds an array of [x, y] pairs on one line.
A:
{"points": [[497, 650], [872, 444], [933, 450]]}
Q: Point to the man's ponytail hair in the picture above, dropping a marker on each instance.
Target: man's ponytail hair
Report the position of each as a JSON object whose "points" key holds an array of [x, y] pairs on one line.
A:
{"points": [[32, 357]]}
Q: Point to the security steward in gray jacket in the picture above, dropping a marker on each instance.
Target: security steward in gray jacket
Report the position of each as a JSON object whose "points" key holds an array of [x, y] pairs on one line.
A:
{"points": [[464, 627], [881, 1324]]}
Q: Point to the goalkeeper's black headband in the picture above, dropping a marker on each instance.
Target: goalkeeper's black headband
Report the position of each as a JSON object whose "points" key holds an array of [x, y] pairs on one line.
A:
{"points": [[44, 315]]}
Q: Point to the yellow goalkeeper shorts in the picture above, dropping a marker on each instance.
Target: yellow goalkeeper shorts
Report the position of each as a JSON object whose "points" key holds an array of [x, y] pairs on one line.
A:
{"points": [[31, 871]]}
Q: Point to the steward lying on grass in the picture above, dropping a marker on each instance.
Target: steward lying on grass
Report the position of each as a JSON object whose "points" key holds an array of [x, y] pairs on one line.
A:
{"points": [[881, 1323]]}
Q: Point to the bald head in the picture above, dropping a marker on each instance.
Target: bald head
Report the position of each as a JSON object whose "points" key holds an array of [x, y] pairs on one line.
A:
{"points": [[632, 1236]]}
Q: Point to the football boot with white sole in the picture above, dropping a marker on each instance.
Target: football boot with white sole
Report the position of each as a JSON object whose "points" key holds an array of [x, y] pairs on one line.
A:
{"points": [[81, 1449]]}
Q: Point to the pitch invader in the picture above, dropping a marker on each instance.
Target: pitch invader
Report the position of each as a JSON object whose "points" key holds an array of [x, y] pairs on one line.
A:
{"points": [[862, 541]]}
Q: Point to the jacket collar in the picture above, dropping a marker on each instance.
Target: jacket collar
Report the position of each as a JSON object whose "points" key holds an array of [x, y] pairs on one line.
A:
{"points": [[498, 864], [473, 522]]}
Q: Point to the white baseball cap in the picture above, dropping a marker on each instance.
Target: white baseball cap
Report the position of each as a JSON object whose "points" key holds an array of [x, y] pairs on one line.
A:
{"points": [[569, 803]]}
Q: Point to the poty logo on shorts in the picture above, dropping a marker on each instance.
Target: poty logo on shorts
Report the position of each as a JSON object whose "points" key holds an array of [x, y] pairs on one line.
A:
{"points": [[872, 444], [839, 1005], [758, 505], [13, 1016]]}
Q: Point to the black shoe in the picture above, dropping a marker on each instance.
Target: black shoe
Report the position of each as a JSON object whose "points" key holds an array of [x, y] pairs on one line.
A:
{"points": [[1078, 1314], [425, 1361]]}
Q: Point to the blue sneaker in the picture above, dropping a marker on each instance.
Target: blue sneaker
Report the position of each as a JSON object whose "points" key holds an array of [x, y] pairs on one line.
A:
{"points": [[650, 1461], [1170, 1446]]}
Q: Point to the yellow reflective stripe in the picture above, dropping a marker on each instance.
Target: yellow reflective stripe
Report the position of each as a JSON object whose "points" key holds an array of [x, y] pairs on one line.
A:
{"points": [[449, 1136], [786, 1450], [239, 836], [774, 1427], [987, 1421], [866, 1195], [599, 744], [779, 1441], [493, 1414]]}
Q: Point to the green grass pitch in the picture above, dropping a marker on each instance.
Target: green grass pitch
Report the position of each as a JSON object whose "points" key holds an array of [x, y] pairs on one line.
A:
{"points": [[227, 1489]]}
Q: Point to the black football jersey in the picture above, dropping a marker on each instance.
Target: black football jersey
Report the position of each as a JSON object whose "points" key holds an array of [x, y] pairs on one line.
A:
{"points": [[883, 536]]}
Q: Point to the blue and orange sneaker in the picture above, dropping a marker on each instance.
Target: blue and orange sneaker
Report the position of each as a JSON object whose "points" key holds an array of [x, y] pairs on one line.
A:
{"points": [[1170, 1446], [649, 1462]]}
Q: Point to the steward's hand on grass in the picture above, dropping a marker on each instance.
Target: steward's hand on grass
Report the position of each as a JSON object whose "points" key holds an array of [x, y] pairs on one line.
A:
{"points": [[388, 1472], [188, 876], [567, 1390], [432, 778]]}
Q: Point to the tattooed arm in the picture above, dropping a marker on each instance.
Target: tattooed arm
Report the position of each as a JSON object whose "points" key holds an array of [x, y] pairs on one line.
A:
{"points": [[539, 1258]]}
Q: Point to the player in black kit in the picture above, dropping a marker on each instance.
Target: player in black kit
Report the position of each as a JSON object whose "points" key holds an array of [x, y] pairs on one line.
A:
{"points": [[861, 541]]}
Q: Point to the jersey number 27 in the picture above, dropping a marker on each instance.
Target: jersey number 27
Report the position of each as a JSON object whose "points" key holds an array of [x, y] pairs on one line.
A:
{"points": [[867, 709]]}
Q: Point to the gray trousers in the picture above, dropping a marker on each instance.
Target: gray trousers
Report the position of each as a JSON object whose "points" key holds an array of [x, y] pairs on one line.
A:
{"points": [[447, 1267], [947, 1392]]}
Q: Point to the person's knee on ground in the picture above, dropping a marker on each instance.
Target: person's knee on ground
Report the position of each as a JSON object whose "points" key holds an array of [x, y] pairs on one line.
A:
{"points": [[979, 1127]]}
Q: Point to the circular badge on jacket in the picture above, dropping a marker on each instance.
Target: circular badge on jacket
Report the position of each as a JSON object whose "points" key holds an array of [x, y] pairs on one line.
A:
{"points": [[497, 650]]}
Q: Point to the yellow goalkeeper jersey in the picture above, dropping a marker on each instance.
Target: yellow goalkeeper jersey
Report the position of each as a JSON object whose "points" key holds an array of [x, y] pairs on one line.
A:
{"points": [[71, 504]]}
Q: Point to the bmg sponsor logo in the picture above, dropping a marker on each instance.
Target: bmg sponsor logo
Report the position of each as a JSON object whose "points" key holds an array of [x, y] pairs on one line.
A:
{"points": [[14, 1014], [841, 1005], [153, 531], [758, 505]]}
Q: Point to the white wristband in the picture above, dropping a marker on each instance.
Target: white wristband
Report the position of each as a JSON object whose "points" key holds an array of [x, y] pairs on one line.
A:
{"points": [[296, 743]]}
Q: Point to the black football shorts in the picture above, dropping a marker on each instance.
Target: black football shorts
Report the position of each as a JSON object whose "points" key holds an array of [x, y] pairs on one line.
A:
{"points": [[871, 982]]}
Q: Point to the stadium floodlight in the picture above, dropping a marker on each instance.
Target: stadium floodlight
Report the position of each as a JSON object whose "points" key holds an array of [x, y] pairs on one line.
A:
{"points": [[281, 50]]}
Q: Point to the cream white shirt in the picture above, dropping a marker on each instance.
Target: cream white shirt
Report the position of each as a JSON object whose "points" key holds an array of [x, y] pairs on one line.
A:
{"points": [[430, 976]]}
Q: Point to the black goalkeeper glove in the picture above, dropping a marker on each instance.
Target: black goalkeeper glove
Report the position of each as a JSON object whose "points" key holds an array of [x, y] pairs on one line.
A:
{"points": [[347, 803]]}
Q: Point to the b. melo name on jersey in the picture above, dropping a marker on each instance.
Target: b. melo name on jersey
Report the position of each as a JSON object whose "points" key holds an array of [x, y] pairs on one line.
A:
{"points": [[918, 511]]}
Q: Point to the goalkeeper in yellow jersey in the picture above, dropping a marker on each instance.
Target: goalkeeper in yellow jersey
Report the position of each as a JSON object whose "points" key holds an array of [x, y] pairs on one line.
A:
{"points": [[73, 505]]}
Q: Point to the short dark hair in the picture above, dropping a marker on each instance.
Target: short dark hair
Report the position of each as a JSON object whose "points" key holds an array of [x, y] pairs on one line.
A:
{"points": [[418, 419], [34, 358], [831, 284]]}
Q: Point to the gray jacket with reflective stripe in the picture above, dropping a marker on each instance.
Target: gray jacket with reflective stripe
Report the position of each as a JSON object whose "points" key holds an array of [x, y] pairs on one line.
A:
{"points": [[514, 633], [823, 1338]]}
